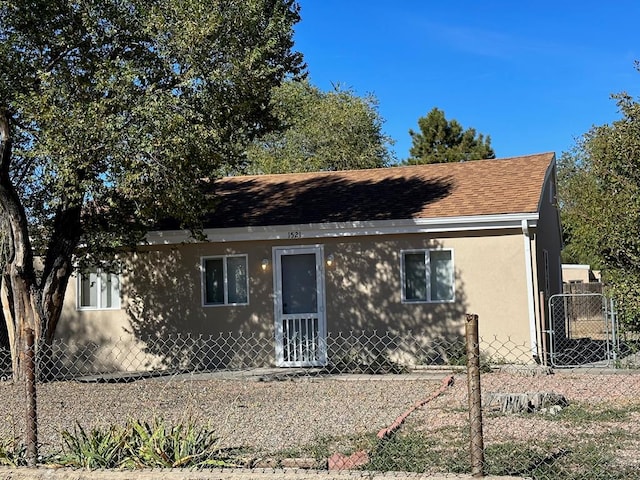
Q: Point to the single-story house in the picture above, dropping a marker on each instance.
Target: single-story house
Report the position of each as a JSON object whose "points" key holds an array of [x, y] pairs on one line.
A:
{"points": [[299, 258]]}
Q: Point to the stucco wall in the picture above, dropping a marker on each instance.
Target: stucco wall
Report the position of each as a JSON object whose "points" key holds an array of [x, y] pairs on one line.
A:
{"points": [[162, 294]]}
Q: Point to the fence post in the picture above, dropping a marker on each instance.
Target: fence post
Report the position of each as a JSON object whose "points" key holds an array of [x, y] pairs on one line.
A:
{"points": [[31, 439], [475, 396]]}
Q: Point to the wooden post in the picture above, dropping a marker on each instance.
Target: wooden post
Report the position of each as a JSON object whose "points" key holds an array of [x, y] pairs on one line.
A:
{"points": [[31, 439], [475, 397]]}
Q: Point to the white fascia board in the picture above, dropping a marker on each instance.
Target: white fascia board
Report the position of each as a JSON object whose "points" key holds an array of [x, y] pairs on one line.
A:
{"points": [[349, 229], [576, 266], [531, 293]]}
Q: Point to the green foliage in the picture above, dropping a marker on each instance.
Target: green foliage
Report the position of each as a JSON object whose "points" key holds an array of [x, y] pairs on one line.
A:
{"points": [[418, 452], [98, 448], [12, 453], [599, 187], [144, 445], [581, 414], [588, 457], [334, 130], [440, 140], [114, 116], [124, 107], [157, 445]]}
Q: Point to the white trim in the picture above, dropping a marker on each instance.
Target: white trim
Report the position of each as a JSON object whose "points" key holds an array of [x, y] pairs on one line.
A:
{"points": [[576, 266], [528, 259], [348, 229]]}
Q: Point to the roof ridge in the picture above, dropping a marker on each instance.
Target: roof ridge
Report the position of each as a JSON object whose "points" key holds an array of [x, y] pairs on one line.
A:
{"points": [[389, 169]]}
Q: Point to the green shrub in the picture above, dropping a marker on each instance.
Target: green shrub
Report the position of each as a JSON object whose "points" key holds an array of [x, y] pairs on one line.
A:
{"points": [[157, 445], [94, 449], [143, 445]]}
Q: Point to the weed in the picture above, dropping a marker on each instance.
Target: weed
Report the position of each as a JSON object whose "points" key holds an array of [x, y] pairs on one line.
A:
{"points": [[12, 453], [555, 458], [420, 452], [589, 458], [580, 414]]}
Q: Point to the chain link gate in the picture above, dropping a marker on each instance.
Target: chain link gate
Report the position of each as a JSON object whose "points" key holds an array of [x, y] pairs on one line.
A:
{"points": [[582, 330]]}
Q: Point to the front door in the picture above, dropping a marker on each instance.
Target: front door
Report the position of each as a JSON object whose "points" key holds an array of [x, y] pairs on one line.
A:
{"points": [[299, 307]]}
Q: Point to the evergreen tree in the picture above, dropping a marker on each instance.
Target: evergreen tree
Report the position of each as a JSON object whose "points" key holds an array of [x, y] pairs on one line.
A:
{"points": [[440, 140]]}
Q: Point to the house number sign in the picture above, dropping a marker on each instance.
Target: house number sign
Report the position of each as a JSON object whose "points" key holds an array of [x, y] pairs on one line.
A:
{"points": [[294, 234]]}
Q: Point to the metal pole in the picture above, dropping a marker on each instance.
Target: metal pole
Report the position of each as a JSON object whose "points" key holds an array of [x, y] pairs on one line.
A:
{"points": [[30, 382], [475, 396], [614, 333]]}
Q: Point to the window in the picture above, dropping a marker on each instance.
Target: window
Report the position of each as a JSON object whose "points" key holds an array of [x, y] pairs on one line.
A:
{"points": [[427, 276], [225, 280], [98, 290]]}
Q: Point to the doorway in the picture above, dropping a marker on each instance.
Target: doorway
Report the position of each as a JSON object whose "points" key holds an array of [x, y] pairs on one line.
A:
{"points": [[300, 328]]}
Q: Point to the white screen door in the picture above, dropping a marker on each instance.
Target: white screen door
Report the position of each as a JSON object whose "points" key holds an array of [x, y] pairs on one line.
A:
{"points": [[299, 306]]}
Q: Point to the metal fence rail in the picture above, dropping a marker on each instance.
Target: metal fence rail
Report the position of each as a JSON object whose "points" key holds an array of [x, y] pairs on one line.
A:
{"points": [[382, 402]]}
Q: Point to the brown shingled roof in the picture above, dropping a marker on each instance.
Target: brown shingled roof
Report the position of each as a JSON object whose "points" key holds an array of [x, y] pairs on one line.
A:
{"points": [[482, 187]]}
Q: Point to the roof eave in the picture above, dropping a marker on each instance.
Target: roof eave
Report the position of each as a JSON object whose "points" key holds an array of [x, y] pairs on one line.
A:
{"points": [[350, 229]]}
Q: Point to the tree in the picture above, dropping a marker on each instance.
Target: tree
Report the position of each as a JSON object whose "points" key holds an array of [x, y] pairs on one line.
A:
{"points": [[112, 112], [599, 187], [441, 141], [334, 130]]}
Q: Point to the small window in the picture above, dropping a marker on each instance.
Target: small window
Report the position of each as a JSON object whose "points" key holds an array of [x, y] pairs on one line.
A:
{"points": [[427, 276], [225, 280], [98, 290]]}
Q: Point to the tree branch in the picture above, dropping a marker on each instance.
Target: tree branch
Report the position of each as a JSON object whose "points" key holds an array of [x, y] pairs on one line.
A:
{"points": [[5, 145]]}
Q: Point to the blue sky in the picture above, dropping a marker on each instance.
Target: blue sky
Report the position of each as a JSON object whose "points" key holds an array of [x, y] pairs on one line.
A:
{"points": [[532, 75]]}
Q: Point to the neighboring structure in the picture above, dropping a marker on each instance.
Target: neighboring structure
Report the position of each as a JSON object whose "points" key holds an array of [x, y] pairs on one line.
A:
{"points": [[576, 273], [298, 257]]}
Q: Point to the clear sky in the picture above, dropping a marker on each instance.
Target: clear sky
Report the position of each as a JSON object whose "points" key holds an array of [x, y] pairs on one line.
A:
{"points": [[532, 75]]}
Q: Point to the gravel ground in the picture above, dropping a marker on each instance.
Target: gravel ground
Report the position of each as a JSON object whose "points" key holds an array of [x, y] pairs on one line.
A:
{"points": [[598, 391], [266, 416], [270, 416]]}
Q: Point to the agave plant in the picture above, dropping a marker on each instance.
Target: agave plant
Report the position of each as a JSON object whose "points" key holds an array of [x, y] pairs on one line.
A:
{"points": [[185, 445], [96, 449], [144, 444]]}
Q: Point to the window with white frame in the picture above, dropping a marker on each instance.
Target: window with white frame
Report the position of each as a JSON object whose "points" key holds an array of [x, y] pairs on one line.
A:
{"points": [[225, 280], [427, 276], [98, 290]]}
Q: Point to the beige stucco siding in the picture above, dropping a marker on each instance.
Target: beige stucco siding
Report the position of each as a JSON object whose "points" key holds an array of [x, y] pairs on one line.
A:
{"points": [[162, 292], [364, 286]]}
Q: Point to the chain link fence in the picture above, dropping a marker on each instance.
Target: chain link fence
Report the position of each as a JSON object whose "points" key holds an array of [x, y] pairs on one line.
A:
{"points": [[219, 402]]}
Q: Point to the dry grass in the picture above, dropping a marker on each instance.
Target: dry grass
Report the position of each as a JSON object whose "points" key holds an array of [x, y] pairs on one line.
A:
{"points": [[316, 415]]}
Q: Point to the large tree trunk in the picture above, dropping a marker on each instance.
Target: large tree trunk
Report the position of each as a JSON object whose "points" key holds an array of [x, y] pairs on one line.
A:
{"points": [[29, 300], [30, 306], [20, 315], [19, 275]]}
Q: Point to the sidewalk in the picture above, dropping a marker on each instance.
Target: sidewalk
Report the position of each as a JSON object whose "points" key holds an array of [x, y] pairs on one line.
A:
{"points": [[238, 474]]}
